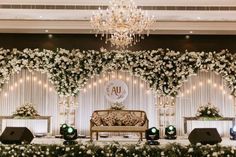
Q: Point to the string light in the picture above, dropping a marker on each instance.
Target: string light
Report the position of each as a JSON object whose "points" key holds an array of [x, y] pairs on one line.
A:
{"points": [[50, 89], [94, 84], [113, 76], [200, 83], [127, 78], [209, 81], [35, 78], [89, 86], [21, 80], [224, 92], [15, 84], [221, 87], [11, 87], [45, 85], [214, 85], [106, 78], [148, 91], [40, 82], [99, 81], [5, 94], [120, 77], [194, 87], [141, 85], [27, 78], [135, 81], [188, 92], [85, 90]]}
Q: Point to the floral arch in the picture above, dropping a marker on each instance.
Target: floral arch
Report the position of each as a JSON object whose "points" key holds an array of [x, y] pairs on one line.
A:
{"points": [[163, 70]]}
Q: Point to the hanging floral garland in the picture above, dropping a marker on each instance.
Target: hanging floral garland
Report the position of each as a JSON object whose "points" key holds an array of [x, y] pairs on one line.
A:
{"points": [[164, 70]]}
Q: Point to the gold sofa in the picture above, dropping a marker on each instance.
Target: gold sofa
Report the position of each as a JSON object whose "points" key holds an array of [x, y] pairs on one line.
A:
{"points": [[118, 121]]}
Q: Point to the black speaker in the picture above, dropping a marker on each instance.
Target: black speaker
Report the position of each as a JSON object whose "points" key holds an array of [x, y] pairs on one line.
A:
{"points": [[16, 135], [204, 136]]}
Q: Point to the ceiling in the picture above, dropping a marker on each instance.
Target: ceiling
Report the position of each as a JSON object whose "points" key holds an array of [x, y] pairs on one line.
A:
{"points": [[72, 16]]}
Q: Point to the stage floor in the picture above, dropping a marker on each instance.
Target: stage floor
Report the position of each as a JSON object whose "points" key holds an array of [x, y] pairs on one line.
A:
{"points": [[131, 140]]}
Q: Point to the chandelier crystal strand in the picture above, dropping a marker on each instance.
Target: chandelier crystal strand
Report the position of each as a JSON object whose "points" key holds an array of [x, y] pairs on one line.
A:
{"points": [[122, 23]]}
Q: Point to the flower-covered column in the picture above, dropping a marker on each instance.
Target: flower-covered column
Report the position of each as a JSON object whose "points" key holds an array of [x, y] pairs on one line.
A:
{"points": [[67, 106], [166, 112]]}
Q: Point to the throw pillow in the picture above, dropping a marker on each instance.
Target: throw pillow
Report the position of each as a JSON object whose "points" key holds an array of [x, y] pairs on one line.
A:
{"points": [[96, 119], [109, 120]]}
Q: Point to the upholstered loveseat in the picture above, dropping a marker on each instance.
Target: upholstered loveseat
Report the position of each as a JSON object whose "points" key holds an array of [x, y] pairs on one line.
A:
{"points": [[118, 121]]}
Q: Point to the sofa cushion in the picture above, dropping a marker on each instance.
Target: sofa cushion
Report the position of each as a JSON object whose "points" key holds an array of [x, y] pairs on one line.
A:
{"points": [[109, 119], [129, 120], [96, 119]]}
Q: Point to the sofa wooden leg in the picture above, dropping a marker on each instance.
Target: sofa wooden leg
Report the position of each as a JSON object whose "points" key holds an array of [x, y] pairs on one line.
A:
{"points": [[96, 135], [91, 136], [141, 136]]}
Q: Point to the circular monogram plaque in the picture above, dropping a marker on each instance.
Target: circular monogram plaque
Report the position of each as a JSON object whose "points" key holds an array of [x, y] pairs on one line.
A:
{"points": [[116, 91]]}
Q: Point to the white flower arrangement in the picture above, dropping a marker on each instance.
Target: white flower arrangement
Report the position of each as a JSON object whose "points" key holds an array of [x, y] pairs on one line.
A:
{"points": [[164, 70], [116, 149], [208, 110], [117, 106], [25, 111]]}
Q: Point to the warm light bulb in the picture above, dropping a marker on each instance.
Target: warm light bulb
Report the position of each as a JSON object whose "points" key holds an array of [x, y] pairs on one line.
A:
{"points": [[95, 84], [106, 78], [85, 90], [214, 85], [89, 86], [194, 87], [135, 81], [11, 87], [127, 78], [141, 85], [16, 84], [40, 82], [120, 77], [45, 85], [21, 80], [35, 78], [27, 78], [200, 83], [187, 91], [99, 81], [50, 89], [208, 81], [148, 91], [224, 92], [5, 94]]}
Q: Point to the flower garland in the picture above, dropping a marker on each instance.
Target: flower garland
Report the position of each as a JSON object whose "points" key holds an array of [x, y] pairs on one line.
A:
{"points": [[116, 149], [117, 106], [164, 70], [208, 110]]}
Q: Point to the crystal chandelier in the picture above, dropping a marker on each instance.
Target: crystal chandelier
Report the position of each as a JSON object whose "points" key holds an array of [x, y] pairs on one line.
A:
{"points": [[122, 23]]}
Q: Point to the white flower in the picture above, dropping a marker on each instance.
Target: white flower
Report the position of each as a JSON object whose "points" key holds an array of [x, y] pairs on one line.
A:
{"points": [[208, 112], [89, 151], [190, 150]]}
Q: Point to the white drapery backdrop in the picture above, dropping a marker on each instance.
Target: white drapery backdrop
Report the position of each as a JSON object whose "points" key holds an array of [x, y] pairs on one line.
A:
{"points": [[31, 87], [198, 90], [35, 87], [92, 97]]}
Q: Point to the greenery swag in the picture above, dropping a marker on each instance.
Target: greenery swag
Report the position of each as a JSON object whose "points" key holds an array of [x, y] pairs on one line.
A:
{"points": [[163, 70]]}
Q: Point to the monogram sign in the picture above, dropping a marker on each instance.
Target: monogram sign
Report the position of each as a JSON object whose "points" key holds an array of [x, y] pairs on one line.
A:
{"points": [[116, 91]]}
